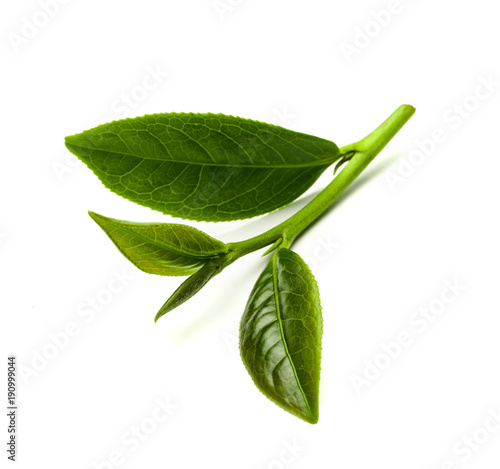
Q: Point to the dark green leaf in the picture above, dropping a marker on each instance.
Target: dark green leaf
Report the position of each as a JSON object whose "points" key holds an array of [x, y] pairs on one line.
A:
{"points": [[191, 286], [161, 248], [208, 167], [280, 335]]}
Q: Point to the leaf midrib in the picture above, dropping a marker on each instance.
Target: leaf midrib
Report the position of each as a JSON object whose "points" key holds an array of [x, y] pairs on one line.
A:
{"points": [[321, 162], [280, 324], [155, 243]]}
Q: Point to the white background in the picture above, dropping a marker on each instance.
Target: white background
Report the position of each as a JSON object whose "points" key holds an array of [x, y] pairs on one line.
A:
{"points": [[410, 224]]}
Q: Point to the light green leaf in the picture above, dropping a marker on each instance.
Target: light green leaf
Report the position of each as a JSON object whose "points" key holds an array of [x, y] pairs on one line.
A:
{"points": [[208, 167], [280, 335], [161, 248]]}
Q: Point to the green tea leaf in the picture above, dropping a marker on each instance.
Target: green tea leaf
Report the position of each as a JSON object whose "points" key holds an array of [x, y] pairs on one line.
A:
{"points": [[191, 286], [161, 248], [206, 167], [280, 335]]}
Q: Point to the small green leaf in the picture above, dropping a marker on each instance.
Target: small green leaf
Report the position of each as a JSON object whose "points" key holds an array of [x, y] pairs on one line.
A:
{"points": [[191, 286], [205, 167], [161, 248], [280, 335]]}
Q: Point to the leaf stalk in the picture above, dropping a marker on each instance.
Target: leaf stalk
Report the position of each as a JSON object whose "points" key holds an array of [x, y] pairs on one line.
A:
{"points": [[358, 156]]}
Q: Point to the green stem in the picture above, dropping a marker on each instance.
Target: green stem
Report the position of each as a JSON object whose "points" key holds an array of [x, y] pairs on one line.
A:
{"points": [[363, 152]]}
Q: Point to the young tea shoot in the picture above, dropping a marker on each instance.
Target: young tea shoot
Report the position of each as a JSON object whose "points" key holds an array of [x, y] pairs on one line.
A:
{"points": [[213, 167]]}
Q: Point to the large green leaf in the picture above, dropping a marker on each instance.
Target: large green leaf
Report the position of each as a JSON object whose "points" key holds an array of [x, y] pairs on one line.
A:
{"points": [[280, 335], [208, 167], [161, 248]]}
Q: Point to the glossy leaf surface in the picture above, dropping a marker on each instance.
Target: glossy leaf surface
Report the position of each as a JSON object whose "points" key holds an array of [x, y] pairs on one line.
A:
{"points": [[161, 248], [280, 335], [208, 167]]}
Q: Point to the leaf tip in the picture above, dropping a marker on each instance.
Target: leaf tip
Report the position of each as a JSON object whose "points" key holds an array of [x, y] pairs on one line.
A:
{"points": [[69, 142], [96, 217], [168, 306], [161, 313], [312, 417]]}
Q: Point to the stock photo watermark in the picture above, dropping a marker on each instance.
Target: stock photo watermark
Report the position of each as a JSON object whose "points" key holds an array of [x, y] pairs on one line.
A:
{"points": [[453, 118], [288, 455], [223, 7], [12, 428], [121, 106], [391, 350], [282, 116], [3, 237], [364, 35], [134, 437], [32, 25], [86, 311], [130, 100], [466, 447]]}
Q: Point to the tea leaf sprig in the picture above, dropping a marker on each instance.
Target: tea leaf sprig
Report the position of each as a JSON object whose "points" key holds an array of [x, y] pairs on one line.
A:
{"points": [[212, 167]]}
